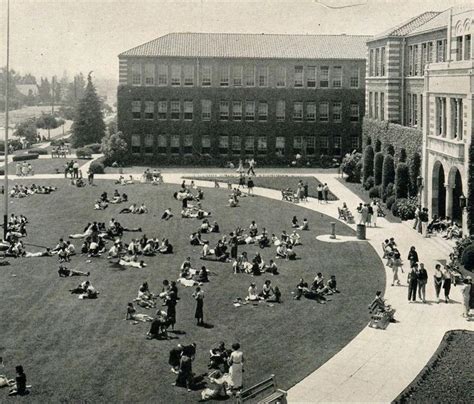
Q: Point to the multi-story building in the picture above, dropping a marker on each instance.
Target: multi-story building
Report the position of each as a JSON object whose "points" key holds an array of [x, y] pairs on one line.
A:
{"points": [[420, 75], [233, 96]]}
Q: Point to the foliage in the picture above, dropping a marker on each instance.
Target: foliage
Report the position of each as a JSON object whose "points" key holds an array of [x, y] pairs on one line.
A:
{"points": [[95, 147], [402, 180], [403, 156], [414, 167], [27, 130], [390, 201], [368, 141], [390, 150], [351, 166], [97, 167], [22, 157], [83, 153], [378, 164], [37, 150], [48, 121], [378, 146], [405, 208], [461, 245], [374, 192], [470, 193], [114, 147], [388, 171], [468, 258], [368, 168], [14, 143], [388, 192], [369, 183], [88, 126]]}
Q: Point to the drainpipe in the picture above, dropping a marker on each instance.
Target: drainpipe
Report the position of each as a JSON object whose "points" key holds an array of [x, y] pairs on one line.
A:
{"points": [[402, 83]]}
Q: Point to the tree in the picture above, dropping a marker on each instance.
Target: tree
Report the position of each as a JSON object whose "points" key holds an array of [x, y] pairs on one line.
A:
{"points": [[390, 150], [44, 91], [402, 180], [403, 156], [414, 167], [27, 130], [368, 167], [88, 126], [378, 164], [352, 165], [388, 171], [114, 147], [378, 146]]}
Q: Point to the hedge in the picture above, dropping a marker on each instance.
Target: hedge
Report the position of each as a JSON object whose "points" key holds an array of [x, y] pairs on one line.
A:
{"points": [[414, 167], [402, 158], [390, 201], [37, 150], [369, 183], [405, 208], [378, 146], [388, 192], [390, 150], [374, 192], [402, 180], [22, 157], [83, 152], [97, 167], [388, 171], [368, 161], [468, 258], [95, 147], [378, 164]]}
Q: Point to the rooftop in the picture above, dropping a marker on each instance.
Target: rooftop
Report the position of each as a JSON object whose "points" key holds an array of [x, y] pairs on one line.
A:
{"points": [[254, 46]]}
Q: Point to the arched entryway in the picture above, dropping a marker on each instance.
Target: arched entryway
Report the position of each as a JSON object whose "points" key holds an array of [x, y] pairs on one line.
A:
{"points": [[455, 182], [438, 200]]}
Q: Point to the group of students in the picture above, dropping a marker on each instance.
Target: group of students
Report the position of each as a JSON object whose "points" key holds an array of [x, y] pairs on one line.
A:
{"points": [[367, 213], [24, 169], [318, 288], [22, 191]]}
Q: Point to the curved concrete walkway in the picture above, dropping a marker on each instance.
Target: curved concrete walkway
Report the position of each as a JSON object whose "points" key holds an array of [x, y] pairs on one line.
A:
{"points": [[376, 365]]}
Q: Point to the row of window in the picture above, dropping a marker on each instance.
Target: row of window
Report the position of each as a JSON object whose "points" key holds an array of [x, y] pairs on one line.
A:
{"points": [[177, 144], [377, 62], [455, 117], [420, 55], [463, 47], [377, 105], [243, 111], [414, 106], [150, 74]]}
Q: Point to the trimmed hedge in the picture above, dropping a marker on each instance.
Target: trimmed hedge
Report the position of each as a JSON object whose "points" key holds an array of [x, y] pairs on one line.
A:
{"points": [[390, 150], [390, 201], [22, 157], [402, 180], [374, 192], [37, 150], [368, 167], [405, 208], [83, 152], [378, 164], [414, 167], [369, 183], [388, 171], [97, 167], [402, 158], [468, 258], [378, 146], [388, 192], [95, 147]]}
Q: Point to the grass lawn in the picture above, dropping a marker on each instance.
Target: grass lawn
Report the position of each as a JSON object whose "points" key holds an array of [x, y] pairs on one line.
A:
{"points": [[359, 190], [19, 115], [46, 166], [278, 182], [84, 351]]}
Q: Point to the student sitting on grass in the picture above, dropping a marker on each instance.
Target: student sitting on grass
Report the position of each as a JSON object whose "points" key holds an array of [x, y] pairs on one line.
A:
{"points": [[63, 272], [18, 387], [133, 315], [167, 215]]}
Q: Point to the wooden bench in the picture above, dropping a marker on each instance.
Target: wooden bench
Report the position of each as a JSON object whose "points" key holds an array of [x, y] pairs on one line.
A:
{"points": [[266, 389]]}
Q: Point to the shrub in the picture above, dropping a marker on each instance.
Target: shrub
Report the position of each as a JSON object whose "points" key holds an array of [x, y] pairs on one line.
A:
{"points": [[415, 166], [95, 147], [388, 171], [115, 147], [468, 258], [325, 161], [378, 146], [352, 165], [368, 168], [390, 150], [83, 152], [461, 245], [405, 208], [388, 192], [37, 150], [390, 201], [22, 157], [403, 156], [374, 192], [402, 180], [378, 164], [97, 167], [369, 183]]}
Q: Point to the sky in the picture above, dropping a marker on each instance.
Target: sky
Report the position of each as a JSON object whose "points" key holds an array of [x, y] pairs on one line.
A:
{"points": [[49, 37]]}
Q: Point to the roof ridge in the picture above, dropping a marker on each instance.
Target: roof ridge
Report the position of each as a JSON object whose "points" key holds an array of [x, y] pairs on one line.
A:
{"points": [[257, 33]]}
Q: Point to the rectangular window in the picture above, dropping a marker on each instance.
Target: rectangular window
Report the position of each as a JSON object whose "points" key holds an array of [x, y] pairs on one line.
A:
{"points": [[459, 41], [174, 144], [409, 109], [188, 110], [337, 145], [311, 76], [310, 145], [467, 47], [262, 145], [249, 110], [280, 110], [205, 144], [249, 144], [298, 76], [377, 61], [262, 76], [175, 75], [354, 143], [136, 144], [149, 109], [224, 110], [188, 144], [236, 144], [410, 60], [424, 50], [149, 74], [297, 111], [297, 144], [224, 76], [136, 74], [311, 112], [237, 110], [415, 110], [206, 76], [162, 144], [280, 146], [281, 76], [324, 112], [382, 61], [382, 106], [337, 77], [175, 109], [354, 112], [371, 100], [416, 60], [421, 110], [188, 75], [371, 63], [337, 112], [136, 109], [223, 144], [324, 77], [441, 50], [148, 144], [429, 52], [323, 144], [249, 76], [354, 79], [206, 106], [162, 75], [376, 105], [162, 110], [262, 111], [237, 72]]}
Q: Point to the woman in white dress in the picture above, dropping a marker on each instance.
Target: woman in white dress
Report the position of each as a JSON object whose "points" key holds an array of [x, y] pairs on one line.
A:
{"points": [[236, 361]]}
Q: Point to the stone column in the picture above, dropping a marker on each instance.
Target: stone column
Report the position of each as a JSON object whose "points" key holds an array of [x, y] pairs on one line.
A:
{"points": [[449, 200]]}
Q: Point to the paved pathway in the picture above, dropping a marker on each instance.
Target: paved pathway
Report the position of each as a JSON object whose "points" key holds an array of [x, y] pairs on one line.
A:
{"points": [[376, 365]]}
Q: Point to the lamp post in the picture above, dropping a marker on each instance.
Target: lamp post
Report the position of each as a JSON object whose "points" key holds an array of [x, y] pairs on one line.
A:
{"points": [[7, 106], [462, 201], [419, 185]]}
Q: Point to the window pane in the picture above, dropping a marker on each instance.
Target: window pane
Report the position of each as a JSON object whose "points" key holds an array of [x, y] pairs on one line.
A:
{"points": [[262, 76], [175, 75], [310, 145], [311, 112], [162, 141], [324, 77], [262, 111], [223, 144], [311, 76], [298, 76], [250, 111], [249, 75], [224, 110], [237, 110], [280, 110], [337, 77], [298, 111], [281, 76], [149, 74], [354, 77], [162, 75], [206, 142], [149, 109], [224, 76], [249, 144], [136, 74], [188, 140], [262, 144], [206, 76], [148, 144], [280, 145], [136, 144], [236, 144], [206, 106], [136, 109], [324, 112], [175, 109], [162, 109], [188, 110], [188, 75], [237, 76], [337, 111]]}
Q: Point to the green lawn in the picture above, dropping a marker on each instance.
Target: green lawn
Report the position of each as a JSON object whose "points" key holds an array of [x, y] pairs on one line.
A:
{"points": [[19, 115], [46, 166], [273, 182], [83, 351]]}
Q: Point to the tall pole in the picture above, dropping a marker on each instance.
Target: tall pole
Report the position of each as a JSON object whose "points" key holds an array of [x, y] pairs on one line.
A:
{"points": [[7, 106]]}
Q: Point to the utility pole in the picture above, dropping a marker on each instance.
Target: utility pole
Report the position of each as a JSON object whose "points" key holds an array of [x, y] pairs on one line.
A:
{"points": [[7, 106]]}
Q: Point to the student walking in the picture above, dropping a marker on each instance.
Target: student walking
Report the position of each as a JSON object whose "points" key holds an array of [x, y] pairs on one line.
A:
{"points": [[326, 192], [199, 314], [446, 285], [438, 281], [250, 186], [466, 295], [412, 283], [422, 281], [251, 167]]}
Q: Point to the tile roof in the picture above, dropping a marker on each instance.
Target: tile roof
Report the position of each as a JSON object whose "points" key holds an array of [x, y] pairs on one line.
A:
{"points": [[409, 26], [258, 46], [442, 20]]}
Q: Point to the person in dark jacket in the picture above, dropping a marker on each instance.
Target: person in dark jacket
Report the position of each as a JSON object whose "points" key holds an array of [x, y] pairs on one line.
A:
{"points": [[412, 283], [413, 256]]}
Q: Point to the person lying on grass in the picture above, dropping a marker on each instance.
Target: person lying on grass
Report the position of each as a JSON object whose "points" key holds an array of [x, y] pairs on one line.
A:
{"points": [[100, 205], [131, 261], [195, 239], [138, 317], [46, 253], [85, 291], [188, 213], [64, 272], [219, 253]]}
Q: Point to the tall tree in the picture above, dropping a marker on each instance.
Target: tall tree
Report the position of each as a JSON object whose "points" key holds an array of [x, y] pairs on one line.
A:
{"points": [[88, 126], [368, 167], [414, 167]]}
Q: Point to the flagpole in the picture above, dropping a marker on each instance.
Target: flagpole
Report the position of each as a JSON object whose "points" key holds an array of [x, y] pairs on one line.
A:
{"points": [[7, 106]]}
